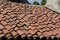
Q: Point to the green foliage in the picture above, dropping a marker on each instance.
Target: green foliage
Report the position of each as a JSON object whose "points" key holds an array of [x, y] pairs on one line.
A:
{"points": [[43, 2], [36, 3]]}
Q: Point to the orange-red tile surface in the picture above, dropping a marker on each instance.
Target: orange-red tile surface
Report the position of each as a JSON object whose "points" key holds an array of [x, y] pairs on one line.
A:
{"points": [[26, 20]]}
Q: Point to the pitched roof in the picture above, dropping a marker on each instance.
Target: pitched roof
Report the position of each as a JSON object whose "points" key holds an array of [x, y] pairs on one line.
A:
{"points": [[26, 20]]}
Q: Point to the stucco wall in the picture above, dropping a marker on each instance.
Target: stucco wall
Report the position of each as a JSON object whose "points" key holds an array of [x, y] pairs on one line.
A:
{"points": [[53, 4]]}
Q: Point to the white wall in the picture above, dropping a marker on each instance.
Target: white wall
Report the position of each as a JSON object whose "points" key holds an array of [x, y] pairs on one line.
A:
{"points": [[53, 4]]}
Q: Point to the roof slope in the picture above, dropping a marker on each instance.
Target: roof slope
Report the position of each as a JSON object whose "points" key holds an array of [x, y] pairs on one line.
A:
{"points": [[26, 20]]}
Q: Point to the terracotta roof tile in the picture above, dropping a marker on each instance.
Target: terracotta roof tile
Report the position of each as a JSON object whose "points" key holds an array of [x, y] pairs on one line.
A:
{"points": [[26, 20]]}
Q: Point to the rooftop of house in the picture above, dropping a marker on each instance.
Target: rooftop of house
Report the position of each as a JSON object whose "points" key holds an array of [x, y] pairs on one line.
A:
{"points": [[28, 20]]}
